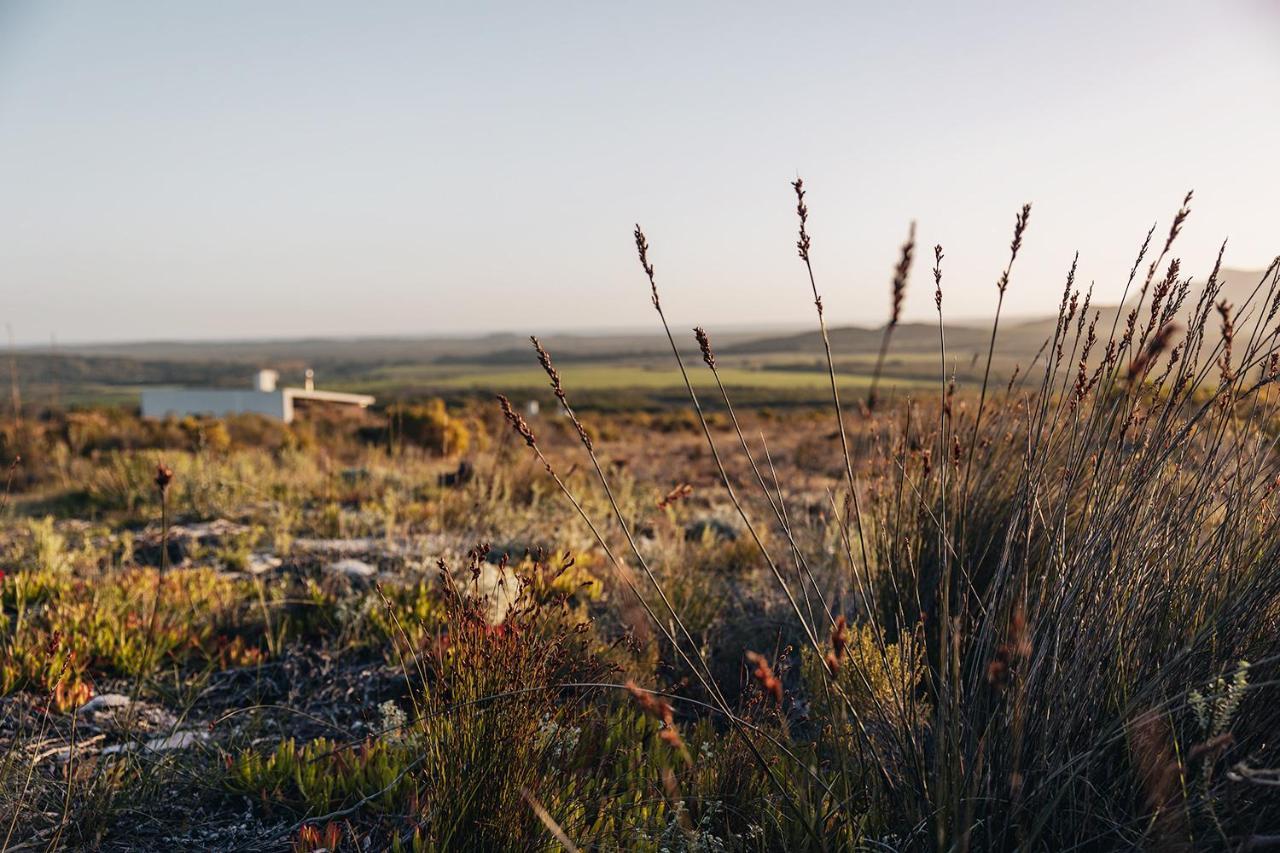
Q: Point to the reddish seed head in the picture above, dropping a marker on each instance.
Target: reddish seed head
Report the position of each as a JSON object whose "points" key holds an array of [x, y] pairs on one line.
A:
{"points": [[661, 710], [164, 476], [679, 493], [839, 642], [652, 705], [763, 673], [840, 635]]}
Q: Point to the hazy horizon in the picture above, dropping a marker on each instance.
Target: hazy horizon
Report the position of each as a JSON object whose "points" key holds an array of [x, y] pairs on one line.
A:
{"points": [[288, 170]]}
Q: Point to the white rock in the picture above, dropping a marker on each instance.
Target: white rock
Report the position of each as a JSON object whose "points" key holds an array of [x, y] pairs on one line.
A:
{"points": [[352, 568], [218, 528], [362, 545], [104, 701], [499, 586], [260, 563], [177, 740]]}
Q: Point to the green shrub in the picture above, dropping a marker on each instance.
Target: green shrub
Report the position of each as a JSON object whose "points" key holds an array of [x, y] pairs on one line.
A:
{"points": [[430, 426]]}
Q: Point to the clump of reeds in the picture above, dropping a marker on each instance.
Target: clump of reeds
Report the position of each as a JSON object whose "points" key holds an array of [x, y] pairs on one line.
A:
{"points": [[1072, 555]]}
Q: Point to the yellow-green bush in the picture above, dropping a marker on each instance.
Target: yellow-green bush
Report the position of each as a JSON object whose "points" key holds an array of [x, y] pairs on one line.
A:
{"points": [[324, 775], [430, 426], [880, 685], [60, 631]]}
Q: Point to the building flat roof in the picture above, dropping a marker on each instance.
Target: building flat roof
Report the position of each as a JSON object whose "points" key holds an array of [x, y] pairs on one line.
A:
{"points": [[361, 400]]}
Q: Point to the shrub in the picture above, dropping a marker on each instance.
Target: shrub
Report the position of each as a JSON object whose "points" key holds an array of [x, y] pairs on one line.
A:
{"points": [[430, 426], [323, 776]]}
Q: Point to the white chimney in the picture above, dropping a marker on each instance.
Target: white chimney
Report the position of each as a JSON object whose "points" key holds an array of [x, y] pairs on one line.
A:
{"points": [[265, 380]]}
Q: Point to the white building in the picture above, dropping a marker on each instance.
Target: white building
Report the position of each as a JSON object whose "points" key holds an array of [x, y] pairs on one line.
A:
{"points": [[263, 399]]}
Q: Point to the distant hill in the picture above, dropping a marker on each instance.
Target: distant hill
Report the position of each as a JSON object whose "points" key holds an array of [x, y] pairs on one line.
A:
{"points": [[497, 348], [859, 340], [116, 372], [1239, 288], [1018, 342]]}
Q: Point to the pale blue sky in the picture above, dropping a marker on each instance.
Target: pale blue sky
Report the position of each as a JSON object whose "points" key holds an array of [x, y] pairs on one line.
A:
{"points": [[247, 168]]}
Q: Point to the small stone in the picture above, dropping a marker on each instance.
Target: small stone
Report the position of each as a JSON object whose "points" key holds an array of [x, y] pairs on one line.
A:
{"points": [[716, 529], [499, 586], [178, 740], [105, 701], [260, 563], [352, 568]]}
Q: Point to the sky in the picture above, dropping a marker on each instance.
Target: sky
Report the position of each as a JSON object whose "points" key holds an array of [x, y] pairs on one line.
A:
{"points": [[249, 169]]}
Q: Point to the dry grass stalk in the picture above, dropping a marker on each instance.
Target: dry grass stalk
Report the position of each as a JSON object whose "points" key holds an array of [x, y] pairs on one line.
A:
{"points": [[1140, 366], [897, 293]]}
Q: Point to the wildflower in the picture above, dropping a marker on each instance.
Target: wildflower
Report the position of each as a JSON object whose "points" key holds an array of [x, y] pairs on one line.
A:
{"points": [[392, 719]]}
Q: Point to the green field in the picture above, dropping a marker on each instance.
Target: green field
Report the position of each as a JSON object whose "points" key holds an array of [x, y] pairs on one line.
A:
{"points": [[607, 376]]}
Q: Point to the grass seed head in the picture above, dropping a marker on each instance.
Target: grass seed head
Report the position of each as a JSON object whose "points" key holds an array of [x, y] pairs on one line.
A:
{"points": [[802, 211], [900, 274], [763, 673], [704, 344], [679, 493], [1157, 345], [642, 249], [1228, 337], [517, 421], [164, 476], [839, 642], [937, 276]]}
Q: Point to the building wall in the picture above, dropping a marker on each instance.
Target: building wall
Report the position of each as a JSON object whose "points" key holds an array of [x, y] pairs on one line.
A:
{"points": [[215, 402]]}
